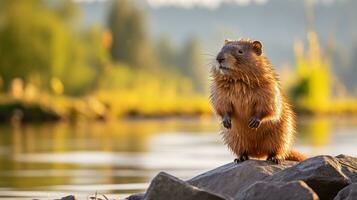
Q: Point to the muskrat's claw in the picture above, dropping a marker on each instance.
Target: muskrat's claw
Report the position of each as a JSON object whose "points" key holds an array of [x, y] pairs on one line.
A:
{"points": [[254, 122], [274, 159], [241, 158], [227, 122]]}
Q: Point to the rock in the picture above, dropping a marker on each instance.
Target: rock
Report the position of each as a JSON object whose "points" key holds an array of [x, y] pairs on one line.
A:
{"points": [[69, 197], [349, 166], [137, 196], [230, 179], [297, 190], [324, 176], [322, 173], [165, 186], [348, 193]]}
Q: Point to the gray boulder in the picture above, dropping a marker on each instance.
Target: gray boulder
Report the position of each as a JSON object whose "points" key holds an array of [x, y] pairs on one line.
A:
{"points": [[165, 186], [324, 176], [322, 173], [230, 179], [69, 197], [349, 166], [137, 196], [297, 190], [348, 193]]}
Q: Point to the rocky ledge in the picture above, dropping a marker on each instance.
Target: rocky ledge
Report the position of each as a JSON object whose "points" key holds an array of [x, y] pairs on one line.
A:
{"points": [[320, 177]]}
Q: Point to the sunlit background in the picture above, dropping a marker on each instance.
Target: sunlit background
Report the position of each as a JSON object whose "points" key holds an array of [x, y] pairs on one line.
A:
{"points": [[101, 95]]}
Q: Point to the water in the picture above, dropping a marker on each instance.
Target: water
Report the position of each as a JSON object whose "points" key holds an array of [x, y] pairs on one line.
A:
{"points": [[47, 161]]}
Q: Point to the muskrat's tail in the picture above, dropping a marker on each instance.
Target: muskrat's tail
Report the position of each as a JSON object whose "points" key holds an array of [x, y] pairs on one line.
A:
{"points": [[295, 156]]}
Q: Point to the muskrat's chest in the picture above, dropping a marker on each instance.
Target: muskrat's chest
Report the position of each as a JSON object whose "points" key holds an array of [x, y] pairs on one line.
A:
{"points": [[243, 102]]}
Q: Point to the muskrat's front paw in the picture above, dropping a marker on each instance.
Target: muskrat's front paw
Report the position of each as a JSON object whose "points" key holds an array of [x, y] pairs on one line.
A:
{"points": [[227, 123], [254, 122]]}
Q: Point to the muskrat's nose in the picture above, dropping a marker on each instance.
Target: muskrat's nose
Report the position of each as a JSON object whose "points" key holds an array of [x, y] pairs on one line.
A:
{"points": [[220, 58]]}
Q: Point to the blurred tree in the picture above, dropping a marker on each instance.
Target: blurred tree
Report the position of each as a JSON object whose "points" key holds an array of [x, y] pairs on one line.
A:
{"points": [[192, 65], [66, 9], [127, 25], [130, 43], [47, 46], [97, 54], [350, 73], [28, 46], [167, 54]]}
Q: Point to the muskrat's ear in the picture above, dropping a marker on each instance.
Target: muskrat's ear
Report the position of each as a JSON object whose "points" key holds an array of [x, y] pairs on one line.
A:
{"points": [[257, 46], [226, 41]]}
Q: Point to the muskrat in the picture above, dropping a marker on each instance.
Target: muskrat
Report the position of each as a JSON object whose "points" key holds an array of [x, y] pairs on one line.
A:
{"points": [[257, 119]]}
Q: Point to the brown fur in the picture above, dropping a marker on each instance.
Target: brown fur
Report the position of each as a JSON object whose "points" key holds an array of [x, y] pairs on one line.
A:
{"points": [[250, 88], [296, 156]]}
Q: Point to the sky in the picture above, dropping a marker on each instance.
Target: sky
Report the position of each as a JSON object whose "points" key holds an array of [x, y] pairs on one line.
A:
{"points": [[203, 3], [212, 4]]}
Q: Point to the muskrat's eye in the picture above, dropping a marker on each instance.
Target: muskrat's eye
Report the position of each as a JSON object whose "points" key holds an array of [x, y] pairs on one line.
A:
{"points": [[240, 51]]}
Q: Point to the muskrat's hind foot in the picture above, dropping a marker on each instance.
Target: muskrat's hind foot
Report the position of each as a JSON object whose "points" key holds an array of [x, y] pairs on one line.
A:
{"points": [[241, 158], [274, 159]]}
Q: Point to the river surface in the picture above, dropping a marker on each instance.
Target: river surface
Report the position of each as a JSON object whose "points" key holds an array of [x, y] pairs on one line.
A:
{"points": [[117, 158]]}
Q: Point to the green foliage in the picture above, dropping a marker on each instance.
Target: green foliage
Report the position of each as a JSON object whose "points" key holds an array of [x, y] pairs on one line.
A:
{"points": [[139, 92], [27, 46], [312, 88], [47, 46], [131, 46], [48, 60], [86, 61]]}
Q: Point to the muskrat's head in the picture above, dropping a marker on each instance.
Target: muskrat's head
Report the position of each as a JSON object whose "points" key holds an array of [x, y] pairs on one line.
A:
{"points": [[241, 59]]}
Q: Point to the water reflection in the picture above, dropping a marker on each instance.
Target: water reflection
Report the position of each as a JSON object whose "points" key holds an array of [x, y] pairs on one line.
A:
{"points": [[121, 157], [328, 135]]}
